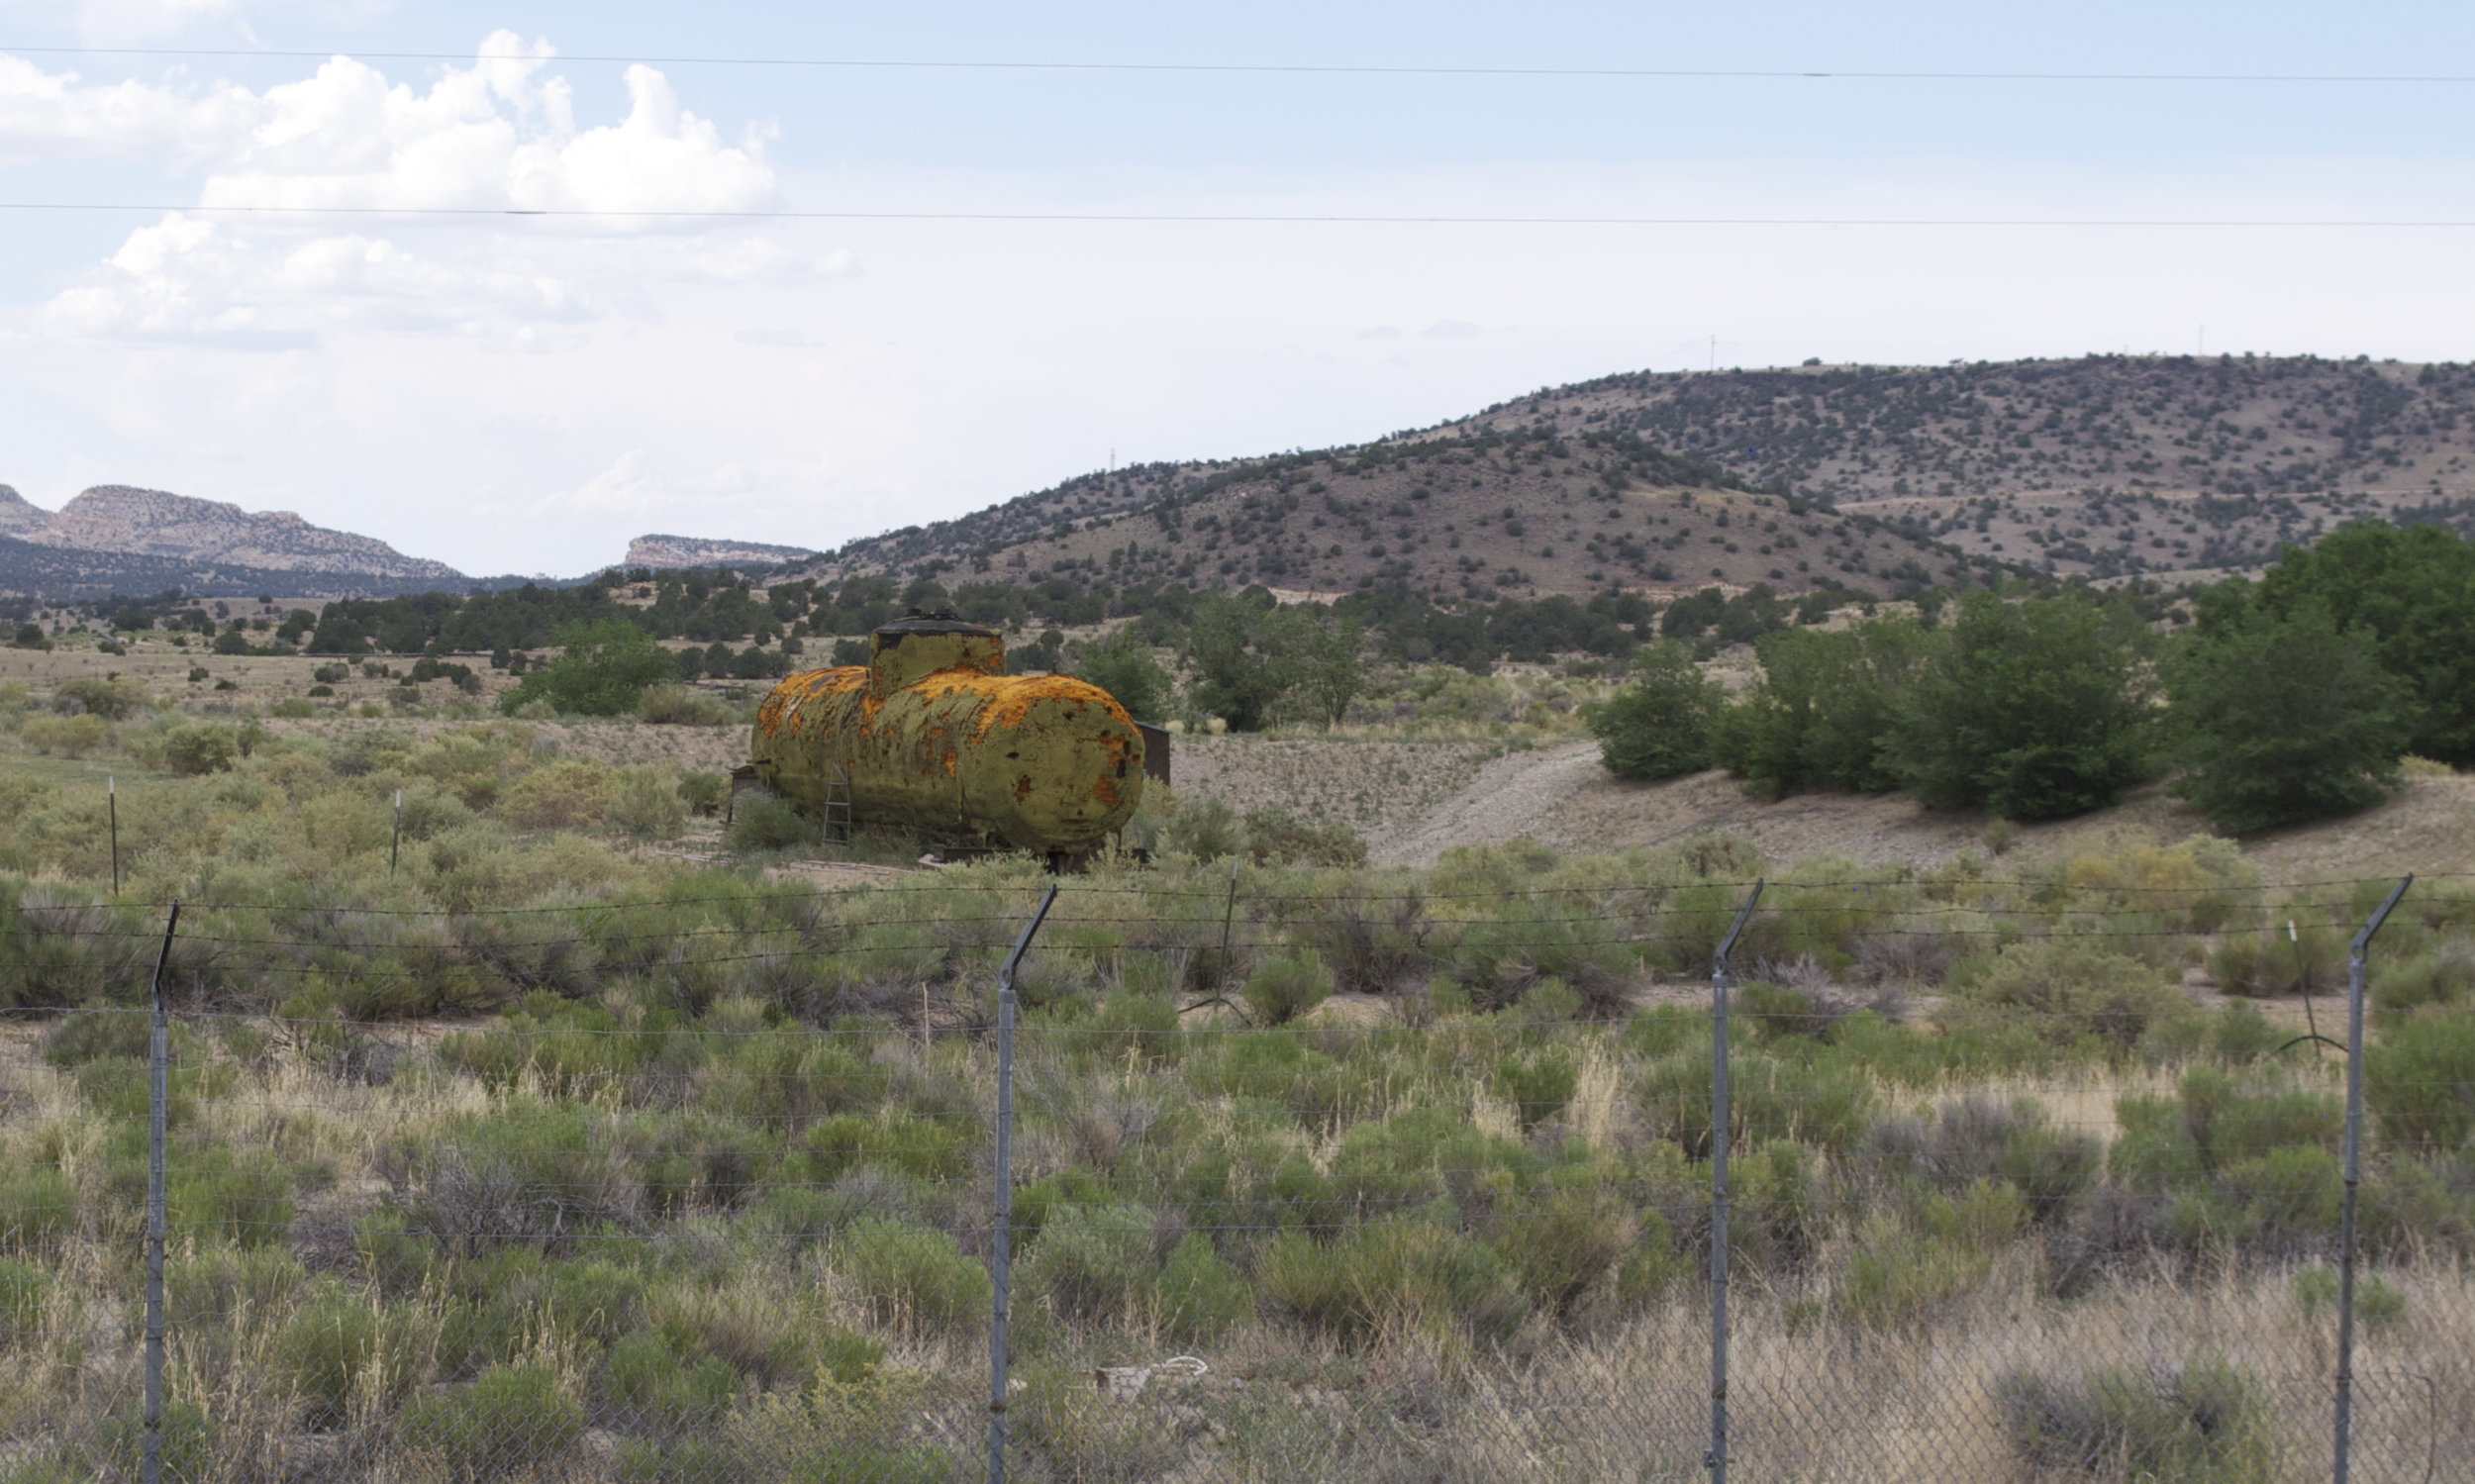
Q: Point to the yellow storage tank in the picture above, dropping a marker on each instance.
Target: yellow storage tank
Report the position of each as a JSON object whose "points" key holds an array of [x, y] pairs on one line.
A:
{"points": [[933, 734]]}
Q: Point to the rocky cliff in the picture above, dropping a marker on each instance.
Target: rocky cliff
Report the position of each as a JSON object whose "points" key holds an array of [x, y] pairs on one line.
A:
{"points": [[697, 551], [126, 522], [17, 518]]}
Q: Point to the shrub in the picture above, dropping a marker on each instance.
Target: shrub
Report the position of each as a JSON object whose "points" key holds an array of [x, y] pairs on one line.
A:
{"points": [[67, 735], [38, 1210], [504, 1423], [646, 805], [683, 705], [1566, 1248], [111, 698], [1275, 837], [1825, 1103], [602, 669], [188, 1446], [2377, 1303], [664, 1393], [340, 1346], [1196, 1296], [25, 1291], [1899, 1275], [2419, 1080], [197, 750], [760, 821], [914, 1278], [559, 795], [2271, 962], [1205, 828], [2207, 1421], [1392, 1278], [1658, 727], [1969, 1141], [2430, 978], [2069, 991], [1372, 944], [1091, 1264], [703, 792], [1287, 987]]}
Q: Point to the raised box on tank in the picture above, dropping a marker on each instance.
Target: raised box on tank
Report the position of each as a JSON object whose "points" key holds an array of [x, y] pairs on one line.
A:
{"points": [[932, 734]]}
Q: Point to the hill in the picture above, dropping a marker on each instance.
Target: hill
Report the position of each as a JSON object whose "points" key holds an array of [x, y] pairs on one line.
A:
{"points": [[119, 539], [1465, 512], [2106, 464], [2103, 465]]}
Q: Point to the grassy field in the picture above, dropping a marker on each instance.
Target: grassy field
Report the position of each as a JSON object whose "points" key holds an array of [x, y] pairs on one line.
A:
{"points": [[587, 1143]]}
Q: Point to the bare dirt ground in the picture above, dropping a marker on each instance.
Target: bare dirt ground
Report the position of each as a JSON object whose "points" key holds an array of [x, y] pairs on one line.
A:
{"points": [[1381, 789], [1424, 799]]}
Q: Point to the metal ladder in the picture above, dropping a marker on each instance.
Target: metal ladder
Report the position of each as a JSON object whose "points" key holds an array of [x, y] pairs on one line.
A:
{"points": [[837, 810]]}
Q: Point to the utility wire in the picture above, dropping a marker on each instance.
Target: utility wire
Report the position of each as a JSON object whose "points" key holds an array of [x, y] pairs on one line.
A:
{"points": [[1260, 218], [1292, 69]]}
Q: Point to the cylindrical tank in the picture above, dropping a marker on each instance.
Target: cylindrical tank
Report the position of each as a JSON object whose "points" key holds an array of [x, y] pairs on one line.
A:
{"points": [[933, 734]]}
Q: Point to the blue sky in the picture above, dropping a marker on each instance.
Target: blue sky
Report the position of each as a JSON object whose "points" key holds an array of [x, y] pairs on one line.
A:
{"points": [[512, 394]]}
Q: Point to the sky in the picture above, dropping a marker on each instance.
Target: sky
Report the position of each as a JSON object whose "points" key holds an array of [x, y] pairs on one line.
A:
{"points": [[524, 393]]}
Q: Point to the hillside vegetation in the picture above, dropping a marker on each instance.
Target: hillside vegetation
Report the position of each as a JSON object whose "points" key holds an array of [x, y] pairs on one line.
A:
{"points": [[1460, 516], [2104, 466]]}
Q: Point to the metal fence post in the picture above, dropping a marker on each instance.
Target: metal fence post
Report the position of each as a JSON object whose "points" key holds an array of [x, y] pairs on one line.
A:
{"points": [[112, 804], [158, 1064], [395, 837], [2356, 953], [1001, 1219], [1716, 1458]]}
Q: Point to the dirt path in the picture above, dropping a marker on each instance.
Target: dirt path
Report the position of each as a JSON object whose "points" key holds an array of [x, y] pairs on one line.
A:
{"points": [[1512, 796]]}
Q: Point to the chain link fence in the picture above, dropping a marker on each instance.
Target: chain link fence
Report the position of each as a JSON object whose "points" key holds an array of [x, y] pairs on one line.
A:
{"points": [[1130, 1185]]}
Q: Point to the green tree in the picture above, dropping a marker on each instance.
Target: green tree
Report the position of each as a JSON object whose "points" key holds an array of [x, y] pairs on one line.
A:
{"points": [[1125, 668], [601, 670], [1241, 668], [1823, 709], [1657, 726], [2279, 718], [2413, 589], [2034, 710], [1331, 672]]}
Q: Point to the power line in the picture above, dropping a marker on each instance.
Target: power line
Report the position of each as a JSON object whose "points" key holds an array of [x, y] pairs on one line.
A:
{"points": [[918, 64], [1270, 218]]}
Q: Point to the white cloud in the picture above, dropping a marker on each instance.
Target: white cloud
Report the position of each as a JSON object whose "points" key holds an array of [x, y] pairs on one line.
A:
{"points": [[188, 278], [498, 135], [45, 115]]}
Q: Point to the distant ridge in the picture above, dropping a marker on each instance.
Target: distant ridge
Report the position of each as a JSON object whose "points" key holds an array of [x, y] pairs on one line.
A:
{"points": [[698, 552], [119, 538], [17, 518]]}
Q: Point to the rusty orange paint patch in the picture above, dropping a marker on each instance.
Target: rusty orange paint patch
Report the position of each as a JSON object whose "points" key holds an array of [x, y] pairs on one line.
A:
{"points": [[785, 696], [1106, 792]]}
